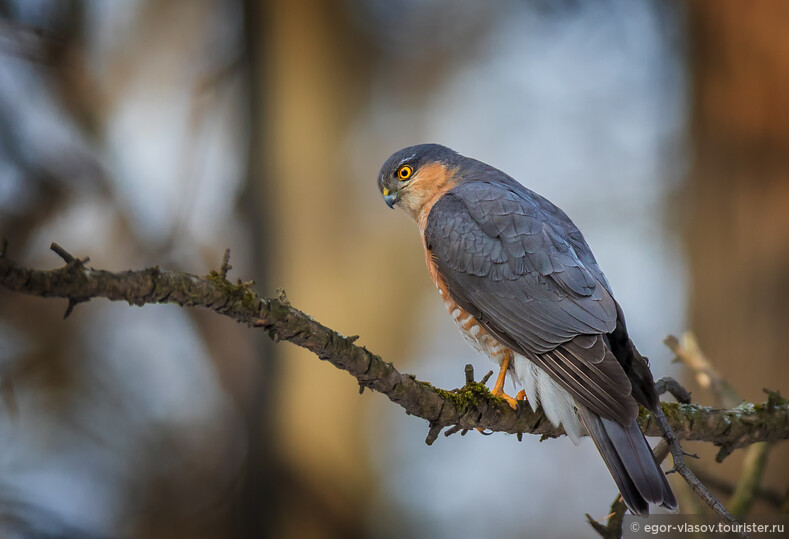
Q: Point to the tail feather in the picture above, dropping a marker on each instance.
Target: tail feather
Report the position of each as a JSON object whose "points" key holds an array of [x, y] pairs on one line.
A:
{"points": [[631, 462]]}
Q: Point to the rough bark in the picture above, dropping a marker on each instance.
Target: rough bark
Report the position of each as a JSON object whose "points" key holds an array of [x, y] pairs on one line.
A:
{"points": [[471, 406]]}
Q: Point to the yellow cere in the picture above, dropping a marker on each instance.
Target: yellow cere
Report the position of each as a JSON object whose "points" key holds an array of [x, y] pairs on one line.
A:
{"points": [[386, 191], [404, 172]]}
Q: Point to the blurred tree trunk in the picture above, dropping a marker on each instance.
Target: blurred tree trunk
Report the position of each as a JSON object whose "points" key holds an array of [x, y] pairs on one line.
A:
{"points": [[738, 235], [314, 65], [257, 511]]}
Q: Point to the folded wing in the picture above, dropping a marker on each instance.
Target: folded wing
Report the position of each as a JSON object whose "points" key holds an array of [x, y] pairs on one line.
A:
{"points": [[519, 266]]}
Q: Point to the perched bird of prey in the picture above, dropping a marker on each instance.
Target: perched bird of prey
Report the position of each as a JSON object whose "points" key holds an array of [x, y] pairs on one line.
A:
{"points": [[519, 279]]}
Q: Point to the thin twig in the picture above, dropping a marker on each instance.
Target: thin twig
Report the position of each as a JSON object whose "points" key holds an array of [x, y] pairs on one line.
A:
{"points": [[688, 352], [225, 267], [62, 253], [469, 371], [678, 455], [668, 384]]}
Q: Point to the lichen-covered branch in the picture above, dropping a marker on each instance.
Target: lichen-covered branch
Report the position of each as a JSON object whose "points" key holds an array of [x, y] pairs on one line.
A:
{"points": [[469, 407]]}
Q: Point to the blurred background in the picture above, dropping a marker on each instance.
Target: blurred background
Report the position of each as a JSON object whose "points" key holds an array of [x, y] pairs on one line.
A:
{"points": [[142, 132]]}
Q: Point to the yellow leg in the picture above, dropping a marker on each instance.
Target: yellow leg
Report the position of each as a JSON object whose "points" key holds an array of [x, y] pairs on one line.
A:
{"points": [[498, 387]]}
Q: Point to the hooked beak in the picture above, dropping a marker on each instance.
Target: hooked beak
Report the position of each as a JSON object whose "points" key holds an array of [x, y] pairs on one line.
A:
{"points": [[390, 198]]}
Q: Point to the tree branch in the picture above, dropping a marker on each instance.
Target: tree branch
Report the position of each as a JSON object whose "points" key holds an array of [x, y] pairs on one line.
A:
{"points": [[689, 352], [469, 407]]}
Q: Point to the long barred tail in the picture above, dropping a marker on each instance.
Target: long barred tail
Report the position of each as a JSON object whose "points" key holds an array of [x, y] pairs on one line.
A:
{"points": [[631, 462]]}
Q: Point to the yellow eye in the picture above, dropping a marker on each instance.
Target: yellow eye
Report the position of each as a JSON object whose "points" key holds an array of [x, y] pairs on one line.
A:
{"points": [[404, 172]]}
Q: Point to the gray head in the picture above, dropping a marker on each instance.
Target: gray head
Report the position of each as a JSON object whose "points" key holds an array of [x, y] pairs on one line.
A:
{"points": [[414, 175]]}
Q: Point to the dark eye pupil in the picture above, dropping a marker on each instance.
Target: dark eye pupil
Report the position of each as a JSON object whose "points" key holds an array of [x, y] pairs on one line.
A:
{"points": [[404, 173]]}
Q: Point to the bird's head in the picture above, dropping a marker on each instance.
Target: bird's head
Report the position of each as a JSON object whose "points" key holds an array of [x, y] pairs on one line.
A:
{"points": [[414, 177]]}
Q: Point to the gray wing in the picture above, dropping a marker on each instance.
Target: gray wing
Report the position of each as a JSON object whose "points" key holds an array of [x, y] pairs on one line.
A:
{"points": [[519, 265]]}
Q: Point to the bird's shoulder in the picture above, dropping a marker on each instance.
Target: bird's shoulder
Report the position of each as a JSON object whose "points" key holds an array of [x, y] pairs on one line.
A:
{"points": [[501, 229]]}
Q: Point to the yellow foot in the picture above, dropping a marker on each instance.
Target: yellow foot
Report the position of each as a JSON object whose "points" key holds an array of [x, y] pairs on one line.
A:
{"points": [[499, 392], [498, 387]]}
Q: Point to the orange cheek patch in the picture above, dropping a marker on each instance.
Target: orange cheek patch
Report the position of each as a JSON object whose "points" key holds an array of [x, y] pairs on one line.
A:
{"points": [[429, 184]]}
